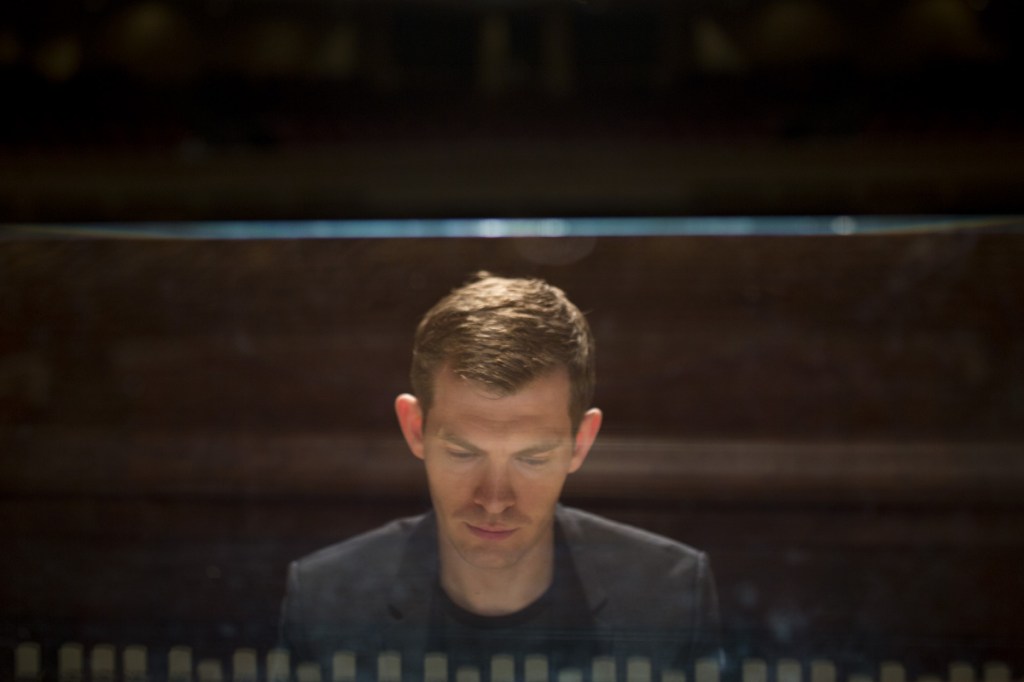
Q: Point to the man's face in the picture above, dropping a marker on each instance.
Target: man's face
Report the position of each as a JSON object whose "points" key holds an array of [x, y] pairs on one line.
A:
{"points": [[496, 465]]}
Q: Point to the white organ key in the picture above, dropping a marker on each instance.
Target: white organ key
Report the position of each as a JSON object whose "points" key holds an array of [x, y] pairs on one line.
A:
{"points": [[961, 672], [503, 668], [638, 669], [890, 671], [707, 670], [823, 671], [755, 670], [101, 663], [570, 675], [243, 665], [343, 667], [279, 665], [535, 668], [602, 669], [209, 670], [69, 662], [389, 667], [467, 673], [308, 672], [995, 671], [435, 667], [26, 662], [179, 664], [134, 663], [788, 670]]}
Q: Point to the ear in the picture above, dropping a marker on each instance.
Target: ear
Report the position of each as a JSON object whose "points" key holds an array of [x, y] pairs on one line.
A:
{"points": [[585, 435], [410, 420]]}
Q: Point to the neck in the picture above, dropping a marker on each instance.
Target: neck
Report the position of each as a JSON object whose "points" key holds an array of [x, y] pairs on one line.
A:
{"points": [[497, 591]]}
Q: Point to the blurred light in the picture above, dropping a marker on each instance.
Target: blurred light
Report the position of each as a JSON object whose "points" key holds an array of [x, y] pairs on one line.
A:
{"points": [[493, 53], [143, 24], [492, 228], [154, 40], [557, 51], [10, 48], [844, 225], [520, 227], [274, 47], [790, 226], [59, 59], [714, 51], [794, 31], [337, 53], [943, 28]]}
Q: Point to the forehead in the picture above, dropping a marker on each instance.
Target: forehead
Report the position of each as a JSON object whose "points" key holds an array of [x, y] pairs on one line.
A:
{"points": [[542, 405]]}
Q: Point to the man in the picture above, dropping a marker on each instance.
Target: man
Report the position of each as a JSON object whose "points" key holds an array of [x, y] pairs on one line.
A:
{"points": [[502, 376]]}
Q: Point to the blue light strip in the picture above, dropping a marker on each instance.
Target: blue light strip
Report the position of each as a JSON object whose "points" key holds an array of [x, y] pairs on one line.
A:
{"points": [[524, 227]]}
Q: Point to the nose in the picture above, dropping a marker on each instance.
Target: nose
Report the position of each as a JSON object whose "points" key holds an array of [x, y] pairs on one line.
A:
{"points": [[494, 490]]}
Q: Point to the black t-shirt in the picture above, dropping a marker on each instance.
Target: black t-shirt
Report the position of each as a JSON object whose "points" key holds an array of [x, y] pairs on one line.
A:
{"points": [[557, 625]]}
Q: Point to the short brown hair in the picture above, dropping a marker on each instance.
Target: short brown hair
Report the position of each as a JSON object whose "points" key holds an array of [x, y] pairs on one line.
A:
{"points": [[503, 333]]}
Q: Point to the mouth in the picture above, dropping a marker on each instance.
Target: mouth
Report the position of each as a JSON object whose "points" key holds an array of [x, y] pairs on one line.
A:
{"points": [[490, 533]]}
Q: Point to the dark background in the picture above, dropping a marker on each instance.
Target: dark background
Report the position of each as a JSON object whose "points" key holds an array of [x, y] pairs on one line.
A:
{"points": [[150, 109], [836, 419]]}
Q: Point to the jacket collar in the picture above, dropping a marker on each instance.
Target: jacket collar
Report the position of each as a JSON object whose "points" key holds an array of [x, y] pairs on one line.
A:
{"points": [[581, 551], [414, 581], [417, 574]]}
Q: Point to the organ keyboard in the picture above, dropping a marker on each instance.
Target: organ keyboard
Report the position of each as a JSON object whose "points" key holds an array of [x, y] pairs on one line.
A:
{"points": [[102, 664]]}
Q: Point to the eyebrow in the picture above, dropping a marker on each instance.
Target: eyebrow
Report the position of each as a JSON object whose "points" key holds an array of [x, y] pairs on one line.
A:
{"points": [[538, 449]]}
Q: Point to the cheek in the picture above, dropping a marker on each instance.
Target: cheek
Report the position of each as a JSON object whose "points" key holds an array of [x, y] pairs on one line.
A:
{"points": [[448, 488], [532, 488]]}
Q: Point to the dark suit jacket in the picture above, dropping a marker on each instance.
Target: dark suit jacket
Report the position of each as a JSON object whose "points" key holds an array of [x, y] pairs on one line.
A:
{"points": [[371, 593]]}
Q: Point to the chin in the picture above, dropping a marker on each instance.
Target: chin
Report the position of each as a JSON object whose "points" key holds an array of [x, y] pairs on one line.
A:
{"points": [[489, 558]]}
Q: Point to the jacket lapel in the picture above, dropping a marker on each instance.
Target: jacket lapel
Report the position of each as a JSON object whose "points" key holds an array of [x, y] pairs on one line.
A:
{"points": [[585, 560], [408, 602]]}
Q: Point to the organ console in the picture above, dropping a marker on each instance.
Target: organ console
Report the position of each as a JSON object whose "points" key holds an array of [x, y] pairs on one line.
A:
{"points": [[105, 663]]}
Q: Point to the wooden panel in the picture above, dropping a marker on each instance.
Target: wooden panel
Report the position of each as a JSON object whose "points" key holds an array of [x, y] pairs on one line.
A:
{"points": [[909, 337], [933, 474]]}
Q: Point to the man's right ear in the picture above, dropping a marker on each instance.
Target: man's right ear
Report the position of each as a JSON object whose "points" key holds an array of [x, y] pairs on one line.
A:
{"points": [[410, 420]]}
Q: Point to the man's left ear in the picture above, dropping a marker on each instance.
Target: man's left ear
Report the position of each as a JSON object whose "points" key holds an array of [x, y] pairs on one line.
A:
{"points": [[585, 436]]}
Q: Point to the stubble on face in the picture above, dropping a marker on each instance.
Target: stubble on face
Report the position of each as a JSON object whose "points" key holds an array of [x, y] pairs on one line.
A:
{"points": [[524, 443]]}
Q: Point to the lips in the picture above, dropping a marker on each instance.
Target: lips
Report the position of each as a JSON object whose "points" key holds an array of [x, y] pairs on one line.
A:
{"points": [[490, 533]]}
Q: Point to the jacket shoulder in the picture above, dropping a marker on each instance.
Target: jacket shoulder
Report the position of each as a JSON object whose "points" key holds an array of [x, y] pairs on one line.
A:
{"points": [[638, 579], [602, 538], [355, 574], [338, 594], [378, 547], [645, 584]]}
